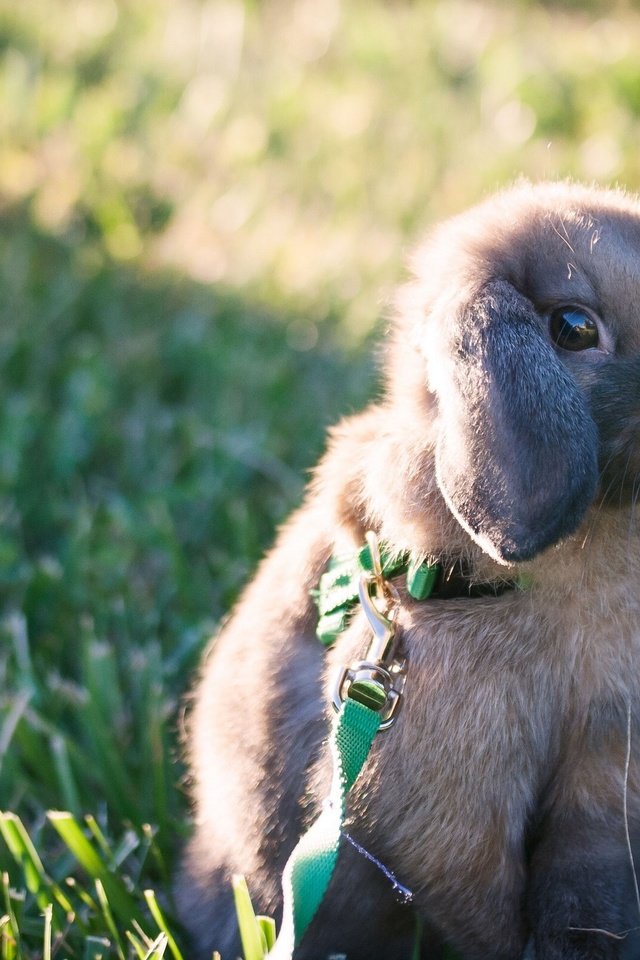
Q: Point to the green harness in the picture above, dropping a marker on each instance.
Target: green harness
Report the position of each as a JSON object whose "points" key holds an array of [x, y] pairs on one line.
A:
{"points": [[366, 696]]}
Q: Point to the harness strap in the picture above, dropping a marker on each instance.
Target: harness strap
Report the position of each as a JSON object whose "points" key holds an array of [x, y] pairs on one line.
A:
{"points": [[310, 866]]}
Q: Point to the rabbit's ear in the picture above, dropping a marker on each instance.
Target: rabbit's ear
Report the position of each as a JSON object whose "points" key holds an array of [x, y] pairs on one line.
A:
{"points": [[516, 455]]}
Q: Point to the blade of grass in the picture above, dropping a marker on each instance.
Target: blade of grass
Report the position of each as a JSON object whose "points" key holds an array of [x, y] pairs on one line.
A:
{"points": [[268, 927], [145, 940], [36, 879], [23, 851], [253, 945], [157, 949], [98, 835], [11, 942], [119, 897], [150, 833], [78, 889], [17, 627], [129, 843], [137, 944], [7, 940], [108, 918], [11, 721], [46, 945], [32, 746], [156, 913], [66, 781]]}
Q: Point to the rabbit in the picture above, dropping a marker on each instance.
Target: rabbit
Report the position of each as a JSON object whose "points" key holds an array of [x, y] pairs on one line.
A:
{"points": [[506, 446]]}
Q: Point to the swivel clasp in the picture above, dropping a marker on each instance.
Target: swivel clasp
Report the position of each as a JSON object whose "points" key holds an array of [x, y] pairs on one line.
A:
{"points": [[378, 680]]}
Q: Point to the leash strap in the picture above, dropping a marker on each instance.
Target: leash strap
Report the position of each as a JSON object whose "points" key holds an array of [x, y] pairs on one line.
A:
{"points": [[310, 866], [365, 696]]}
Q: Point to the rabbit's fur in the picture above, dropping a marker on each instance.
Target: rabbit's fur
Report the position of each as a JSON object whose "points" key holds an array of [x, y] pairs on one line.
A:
{"points": [[503, 795]]}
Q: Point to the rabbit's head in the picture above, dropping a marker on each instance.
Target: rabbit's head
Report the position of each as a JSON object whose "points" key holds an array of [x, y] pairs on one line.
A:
{"points": [[526, 313]]}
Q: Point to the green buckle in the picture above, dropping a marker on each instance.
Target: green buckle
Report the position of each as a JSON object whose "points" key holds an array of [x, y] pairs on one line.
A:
{"points": [[421, 579], [337, 592]]}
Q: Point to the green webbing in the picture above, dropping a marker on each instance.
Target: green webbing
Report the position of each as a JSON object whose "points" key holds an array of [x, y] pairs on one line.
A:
{"points": [[310, 866]]}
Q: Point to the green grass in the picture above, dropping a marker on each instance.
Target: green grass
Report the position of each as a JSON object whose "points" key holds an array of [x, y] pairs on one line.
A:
{"points": [[205, 206], [140, 482]]}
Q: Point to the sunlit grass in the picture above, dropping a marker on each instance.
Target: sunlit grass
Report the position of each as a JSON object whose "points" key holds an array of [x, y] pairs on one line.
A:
{"points": [[148, 444], [69, 916], [206, 136]]}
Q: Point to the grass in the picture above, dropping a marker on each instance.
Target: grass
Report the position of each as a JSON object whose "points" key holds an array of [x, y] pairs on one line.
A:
{"points": [[205, 205], [140, 483]]}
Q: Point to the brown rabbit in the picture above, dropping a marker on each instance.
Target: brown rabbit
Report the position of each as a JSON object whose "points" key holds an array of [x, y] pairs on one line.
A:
{"points": [[507, 444]]}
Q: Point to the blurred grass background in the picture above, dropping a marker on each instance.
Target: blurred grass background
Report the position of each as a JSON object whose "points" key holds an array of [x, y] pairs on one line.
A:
{"points": [[205, 206]]}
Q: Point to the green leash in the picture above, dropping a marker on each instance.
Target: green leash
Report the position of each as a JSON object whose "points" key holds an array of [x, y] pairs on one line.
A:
{"points": [[310, 866], [366, 696]]}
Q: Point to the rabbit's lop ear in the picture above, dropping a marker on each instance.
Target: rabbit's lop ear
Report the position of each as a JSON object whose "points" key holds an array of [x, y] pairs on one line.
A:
{"points": [[516, 454]]}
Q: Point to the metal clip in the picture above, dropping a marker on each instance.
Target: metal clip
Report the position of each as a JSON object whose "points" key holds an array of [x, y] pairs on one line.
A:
{"points": [[378, 680], [382, 624]]}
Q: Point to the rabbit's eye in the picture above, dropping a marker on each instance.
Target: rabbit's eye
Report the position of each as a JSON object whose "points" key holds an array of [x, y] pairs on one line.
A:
{"points": [[573, 329]]}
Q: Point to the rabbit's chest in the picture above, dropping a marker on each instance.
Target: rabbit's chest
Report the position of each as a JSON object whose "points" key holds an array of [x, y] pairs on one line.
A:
{"points": [[492, 704]]}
